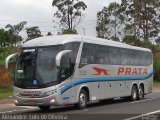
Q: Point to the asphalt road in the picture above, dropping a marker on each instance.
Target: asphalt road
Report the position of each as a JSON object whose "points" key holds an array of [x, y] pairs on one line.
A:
{"points": [[118, 109]]}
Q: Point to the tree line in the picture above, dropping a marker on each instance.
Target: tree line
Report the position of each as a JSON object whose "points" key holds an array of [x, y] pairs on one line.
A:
{"points": [[11, 37], [135, 22]]}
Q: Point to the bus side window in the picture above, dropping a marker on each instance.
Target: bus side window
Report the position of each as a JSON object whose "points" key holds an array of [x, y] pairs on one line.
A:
{"points": [[125, 57], [114, 56], [83, 61], [149, 56], [74, 46], [87, 56], [135, 57], [101, 54], [140, 58], [143, 58]]}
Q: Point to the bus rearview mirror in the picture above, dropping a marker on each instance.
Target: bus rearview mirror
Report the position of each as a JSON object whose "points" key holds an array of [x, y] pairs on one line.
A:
{"points": [[8, 59], [59, 57]]}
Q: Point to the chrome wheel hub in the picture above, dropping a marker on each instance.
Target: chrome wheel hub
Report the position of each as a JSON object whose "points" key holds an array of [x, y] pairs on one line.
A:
{"points": [[82, 99]]}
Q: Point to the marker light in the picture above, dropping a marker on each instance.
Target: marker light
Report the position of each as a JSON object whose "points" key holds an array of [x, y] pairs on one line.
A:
{"points": [[16, 101]]}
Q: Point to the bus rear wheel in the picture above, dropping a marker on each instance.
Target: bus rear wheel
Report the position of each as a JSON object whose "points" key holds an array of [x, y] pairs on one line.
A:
{"points": [[82, 102], [44, 108], [140, 92], [134, 93]]}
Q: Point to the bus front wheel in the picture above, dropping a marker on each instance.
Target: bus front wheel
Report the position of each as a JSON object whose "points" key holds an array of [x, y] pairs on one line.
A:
{"points": [[82, 102]]}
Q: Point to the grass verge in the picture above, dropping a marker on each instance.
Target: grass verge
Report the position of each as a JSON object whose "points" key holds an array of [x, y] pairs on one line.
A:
{"points": [[5, 95], [6, 91], [156, 84]]}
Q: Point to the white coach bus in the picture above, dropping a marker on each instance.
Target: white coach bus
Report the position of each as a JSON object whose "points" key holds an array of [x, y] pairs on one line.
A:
{"points": [[75, 69]]}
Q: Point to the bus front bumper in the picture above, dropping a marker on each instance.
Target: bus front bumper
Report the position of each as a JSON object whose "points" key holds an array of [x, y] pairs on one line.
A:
{"points": [[53, 100]]}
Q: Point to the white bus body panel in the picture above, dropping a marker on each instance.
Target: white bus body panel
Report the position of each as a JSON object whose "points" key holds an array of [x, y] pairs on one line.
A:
{"points": [[100, 86]]}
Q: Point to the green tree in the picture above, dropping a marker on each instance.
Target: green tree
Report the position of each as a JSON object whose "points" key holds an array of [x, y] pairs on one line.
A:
{"points": [[133, 12], [33, 32], [102, 23], [158, 41], [13, 33], [156, 22], [69, 12], [110, 22], [129, 29], [69, 31], [4, 40], [131, 39], [117, 19], [143, 16], [49, 34]]}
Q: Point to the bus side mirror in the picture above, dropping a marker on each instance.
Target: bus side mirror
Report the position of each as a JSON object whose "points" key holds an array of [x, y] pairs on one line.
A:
{"points": [[60, 55], [8, 59]]}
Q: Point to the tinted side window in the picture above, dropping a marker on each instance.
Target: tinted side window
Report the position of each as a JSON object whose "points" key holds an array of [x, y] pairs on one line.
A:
{"points": [[87, 56], [101, 54], [74, 47], [125, 57], [149, 60], [146, 58], [135, 57], [114, 56]]}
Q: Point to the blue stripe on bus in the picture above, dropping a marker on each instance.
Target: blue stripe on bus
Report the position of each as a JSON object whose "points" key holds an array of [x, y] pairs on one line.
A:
{"points": [[65, 88]]}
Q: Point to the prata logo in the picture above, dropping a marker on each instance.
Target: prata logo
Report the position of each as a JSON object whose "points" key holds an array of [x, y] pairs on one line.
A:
{"points": [[35, 82], [101, 71]]}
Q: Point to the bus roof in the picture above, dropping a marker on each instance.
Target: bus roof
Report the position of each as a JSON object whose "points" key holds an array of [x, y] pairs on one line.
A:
{"points": [[62, 39]]}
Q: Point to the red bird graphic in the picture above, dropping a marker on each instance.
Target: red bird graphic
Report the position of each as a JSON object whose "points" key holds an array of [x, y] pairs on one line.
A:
{"points": [[101, 71]]}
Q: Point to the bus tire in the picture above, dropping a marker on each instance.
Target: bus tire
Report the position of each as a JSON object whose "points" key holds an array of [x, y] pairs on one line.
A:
{"points": [[82, 101], [44, 108], [134, 93], [140, 92]]}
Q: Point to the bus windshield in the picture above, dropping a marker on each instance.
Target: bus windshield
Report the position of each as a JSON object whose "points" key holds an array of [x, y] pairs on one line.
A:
{"points": [[36, 67]]}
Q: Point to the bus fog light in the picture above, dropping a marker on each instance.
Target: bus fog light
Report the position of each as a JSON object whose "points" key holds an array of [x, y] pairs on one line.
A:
{"points": [[16, 101], [52, 101]]}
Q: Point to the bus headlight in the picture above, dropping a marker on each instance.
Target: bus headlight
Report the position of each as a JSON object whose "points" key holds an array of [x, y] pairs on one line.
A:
{"points": [[52, 101]]}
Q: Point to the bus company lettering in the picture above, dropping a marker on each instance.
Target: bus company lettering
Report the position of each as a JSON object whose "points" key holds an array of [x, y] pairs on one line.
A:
{"points": [[32, 92], [132, 71]]}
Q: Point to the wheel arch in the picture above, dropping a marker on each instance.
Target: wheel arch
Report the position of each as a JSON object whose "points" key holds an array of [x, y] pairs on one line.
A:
{"points": [[134, 84], [86, 88], [142, 84]]}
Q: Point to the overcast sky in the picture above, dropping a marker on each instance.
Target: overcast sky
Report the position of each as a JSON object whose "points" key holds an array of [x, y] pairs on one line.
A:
{"points": [[40, 13]]}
